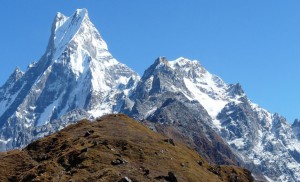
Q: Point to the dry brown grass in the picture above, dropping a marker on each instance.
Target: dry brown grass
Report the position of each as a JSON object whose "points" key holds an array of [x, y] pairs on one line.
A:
{"points": [[112, 148]]}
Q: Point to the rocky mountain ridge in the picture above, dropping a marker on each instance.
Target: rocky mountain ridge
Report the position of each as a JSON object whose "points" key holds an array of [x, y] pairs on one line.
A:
{"points": [[113, 148]]}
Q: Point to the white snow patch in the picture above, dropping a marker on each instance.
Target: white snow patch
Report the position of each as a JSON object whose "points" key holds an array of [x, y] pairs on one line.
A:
{"points": [[47, 113], [123, 80], [105, 109], [217, 124], [239, 143], [212, 106], [5, 141], [98, 79], [269, 179], [180, 62], [32, 107], [257, 161], [151, 111], [78, 62], [5, 103]]}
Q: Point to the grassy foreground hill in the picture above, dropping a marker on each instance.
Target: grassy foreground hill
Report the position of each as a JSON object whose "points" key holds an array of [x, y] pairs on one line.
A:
{"points": [[113, 148]]}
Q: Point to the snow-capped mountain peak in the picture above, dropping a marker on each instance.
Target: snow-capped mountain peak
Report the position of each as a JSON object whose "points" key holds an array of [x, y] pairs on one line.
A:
{"points": [[77, 72], [184, 62], [190, 78], [76, 31], [13, 78], [208, 89], [259, 137]]}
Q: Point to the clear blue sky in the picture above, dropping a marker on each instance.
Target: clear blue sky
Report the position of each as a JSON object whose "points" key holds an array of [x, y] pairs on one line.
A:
{"points": [[253, 42]]}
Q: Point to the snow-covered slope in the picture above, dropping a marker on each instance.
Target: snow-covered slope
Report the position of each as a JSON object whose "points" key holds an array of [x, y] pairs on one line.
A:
{"points": [[265, 142], [76, 72], [162, 97], [191, 79], [263, 138]]}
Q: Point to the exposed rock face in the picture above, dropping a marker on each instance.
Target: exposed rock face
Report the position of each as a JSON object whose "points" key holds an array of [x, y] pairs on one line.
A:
{"points": [[117, 148], [162, 97], [296, 128], [188, 102], [264, 138]]}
